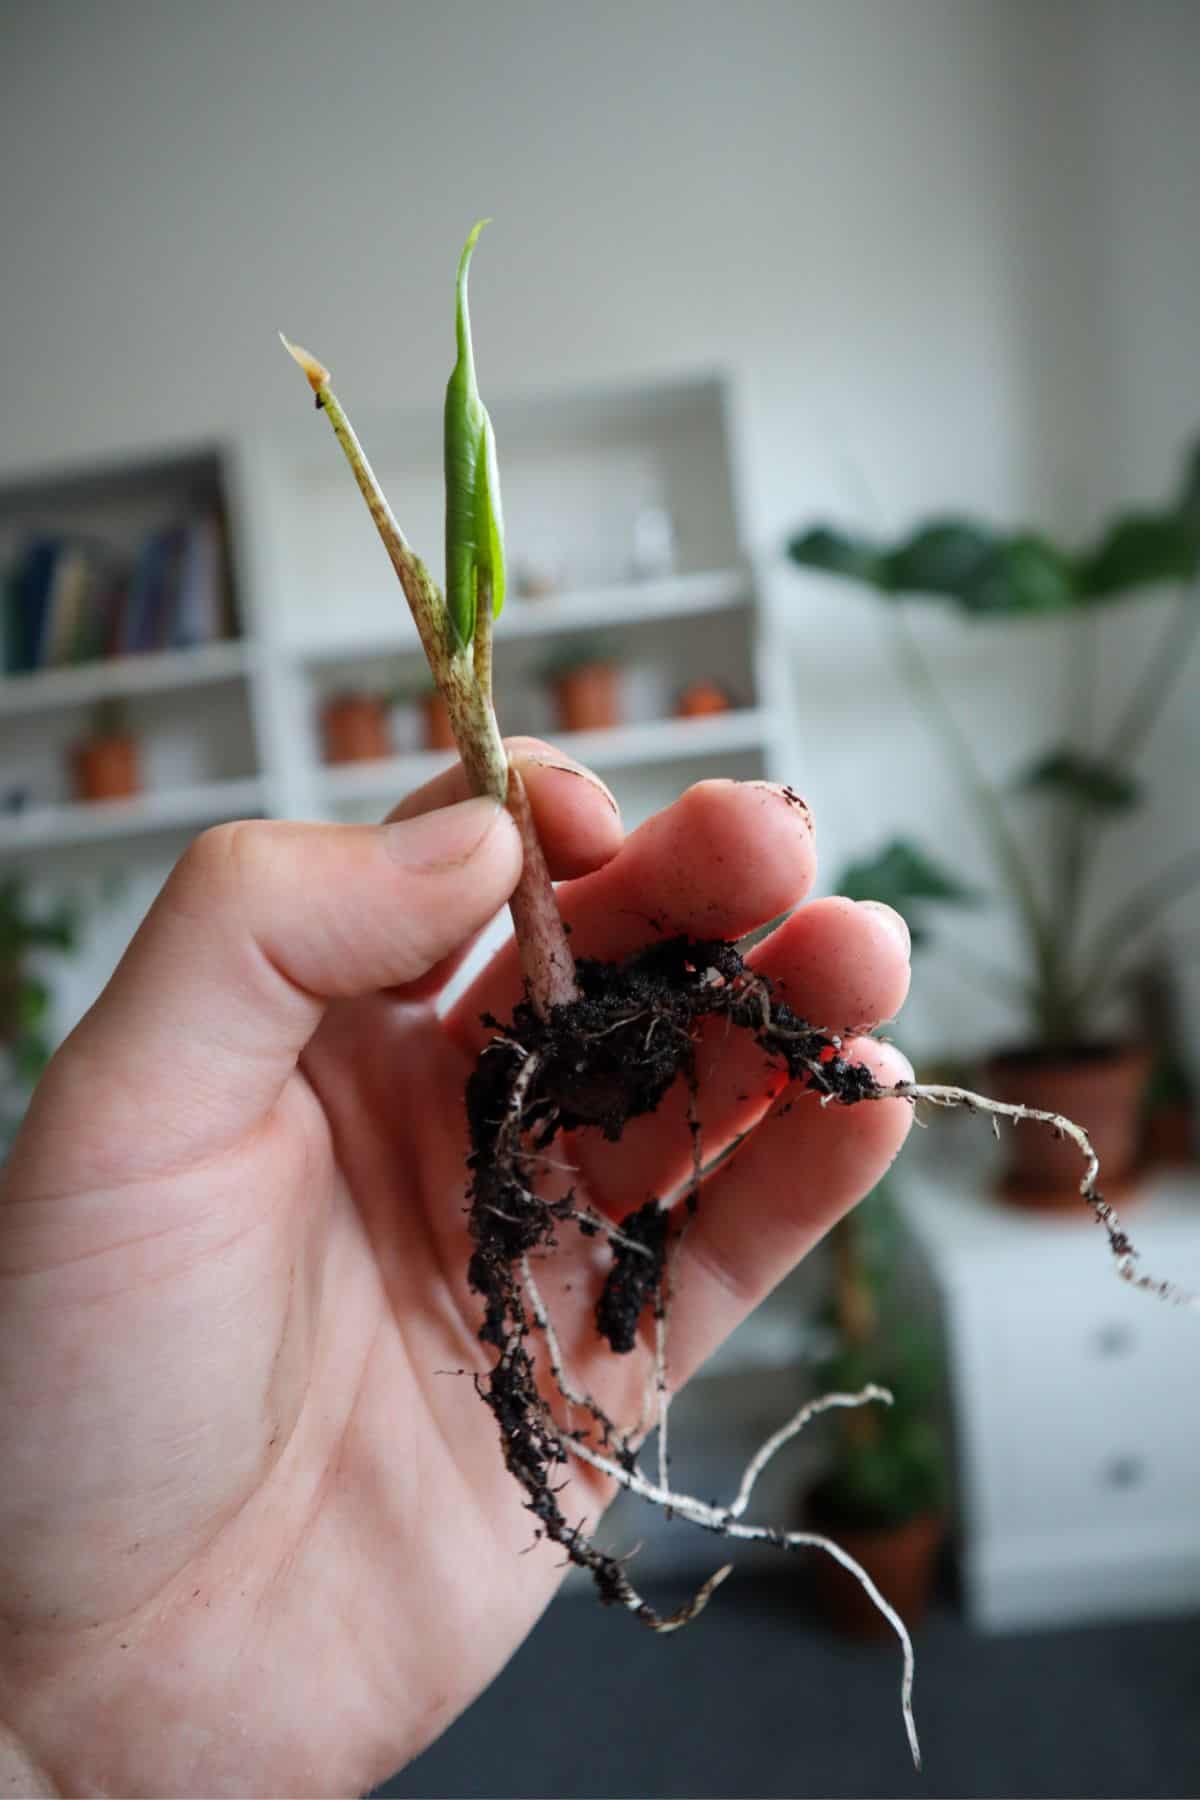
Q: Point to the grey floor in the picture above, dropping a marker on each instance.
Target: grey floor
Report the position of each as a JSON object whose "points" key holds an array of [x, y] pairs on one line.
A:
{"points": [[756, 1700]]}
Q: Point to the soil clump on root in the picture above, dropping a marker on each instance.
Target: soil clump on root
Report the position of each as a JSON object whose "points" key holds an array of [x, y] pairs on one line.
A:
{"points": [[598, 1062]]}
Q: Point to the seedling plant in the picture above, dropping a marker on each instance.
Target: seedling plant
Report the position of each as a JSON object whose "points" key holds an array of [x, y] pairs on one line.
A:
{"points": [[591, 1046]]}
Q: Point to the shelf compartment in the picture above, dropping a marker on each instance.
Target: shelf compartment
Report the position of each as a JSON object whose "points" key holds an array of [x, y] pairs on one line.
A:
{"points": [[623, 746], [152, 672], [171, 809], [592, 610]]}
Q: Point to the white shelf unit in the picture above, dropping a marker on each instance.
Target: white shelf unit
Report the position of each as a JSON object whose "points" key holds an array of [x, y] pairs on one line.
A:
{"points": [[577, 471], [232, 729], [190, 709], [179, 808]]}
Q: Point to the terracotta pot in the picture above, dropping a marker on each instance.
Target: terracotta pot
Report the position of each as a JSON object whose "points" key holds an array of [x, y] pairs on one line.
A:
{"points": [[588, 698], [106, 768], [701, 700], [439, 734], [356, 729], [900, 1559], [1170, 1136], [1100, 1088]]}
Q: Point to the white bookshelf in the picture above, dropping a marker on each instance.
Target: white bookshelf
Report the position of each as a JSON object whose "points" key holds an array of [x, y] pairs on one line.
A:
{"points": [[119, 677], [232, 729], [568, 614], [174, 809], [622, 747]]}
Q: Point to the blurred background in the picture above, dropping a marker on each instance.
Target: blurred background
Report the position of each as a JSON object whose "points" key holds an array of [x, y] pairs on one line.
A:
{"points": [[844, 364]]}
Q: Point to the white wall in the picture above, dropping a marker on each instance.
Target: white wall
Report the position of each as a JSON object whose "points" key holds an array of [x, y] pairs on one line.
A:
{"points": [[947, 248]]}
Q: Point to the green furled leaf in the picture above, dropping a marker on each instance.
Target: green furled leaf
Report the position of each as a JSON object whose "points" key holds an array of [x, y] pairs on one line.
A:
{"points": [[1141, 550], [474, 519], [905, 878], [1086, 779], [838, 553]]}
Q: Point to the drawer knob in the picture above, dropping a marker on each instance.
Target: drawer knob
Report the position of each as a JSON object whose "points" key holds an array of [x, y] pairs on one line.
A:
{"points": [[1115, 1339], [1123, 1471]]}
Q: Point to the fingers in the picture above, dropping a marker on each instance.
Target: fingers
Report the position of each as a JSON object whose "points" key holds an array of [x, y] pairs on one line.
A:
{"points": [[727, 856], [840, 964], [759, 1214], [578, 823], [794, 1177], [577, 818], [258, 926]]}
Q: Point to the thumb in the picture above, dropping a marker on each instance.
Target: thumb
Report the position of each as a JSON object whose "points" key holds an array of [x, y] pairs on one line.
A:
{"points": [[258, 926]]}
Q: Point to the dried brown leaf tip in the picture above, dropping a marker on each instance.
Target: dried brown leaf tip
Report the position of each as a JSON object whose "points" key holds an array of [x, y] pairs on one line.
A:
{"points": [[318, 374]]}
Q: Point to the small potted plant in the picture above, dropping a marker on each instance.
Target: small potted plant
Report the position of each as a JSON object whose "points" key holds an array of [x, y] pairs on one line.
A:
{"points": [[586, 684], [355, 727], [883, 1495], [701, 699], [1077, 1055], [105, 765]]}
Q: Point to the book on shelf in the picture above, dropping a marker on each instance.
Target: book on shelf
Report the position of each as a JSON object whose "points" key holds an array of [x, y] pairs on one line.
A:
{"points": [[69, 600]]}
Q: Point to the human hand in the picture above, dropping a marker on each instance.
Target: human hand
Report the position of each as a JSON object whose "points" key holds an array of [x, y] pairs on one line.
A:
{"points": [[254, 1537]]}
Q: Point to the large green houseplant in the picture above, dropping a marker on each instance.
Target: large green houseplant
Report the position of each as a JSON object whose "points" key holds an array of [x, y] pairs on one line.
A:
{"points": [[1087, 772]]}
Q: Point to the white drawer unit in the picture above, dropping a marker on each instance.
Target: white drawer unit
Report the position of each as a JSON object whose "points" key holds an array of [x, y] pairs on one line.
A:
{"points": [[1076, 1401]]}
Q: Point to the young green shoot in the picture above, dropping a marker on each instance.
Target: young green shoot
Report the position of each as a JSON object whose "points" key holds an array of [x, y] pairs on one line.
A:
{"points": [[456, 629]]}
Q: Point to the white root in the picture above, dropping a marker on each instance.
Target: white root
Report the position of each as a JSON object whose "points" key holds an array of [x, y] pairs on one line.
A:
{"points": [[1123, 1250], [724, 1521], [796, 1424], [621, 1468]]}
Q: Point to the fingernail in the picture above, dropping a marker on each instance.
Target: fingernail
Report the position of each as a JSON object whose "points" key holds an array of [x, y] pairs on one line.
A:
{"points": [[789, 796], [896, 922], [563, 765], [442, 839]]}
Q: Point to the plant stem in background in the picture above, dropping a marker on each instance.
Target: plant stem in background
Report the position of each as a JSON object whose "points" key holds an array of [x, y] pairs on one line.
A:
{"points": [[989, 806], [1137, 912], [1159, 676]]}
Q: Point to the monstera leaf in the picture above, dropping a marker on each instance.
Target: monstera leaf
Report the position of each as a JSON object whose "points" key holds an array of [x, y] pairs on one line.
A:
{"points": [[840, 553], [1141, 550], [905, 878], [988, 573], [979, 570], [1088, 780], [947, 557]]}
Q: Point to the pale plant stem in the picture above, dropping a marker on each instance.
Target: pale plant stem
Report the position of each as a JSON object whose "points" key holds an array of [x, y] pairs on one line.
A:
{"points": [[464, 677]]}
